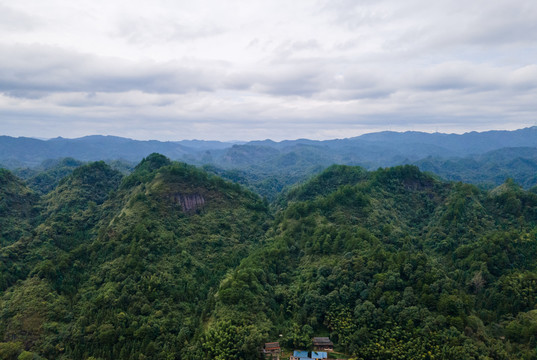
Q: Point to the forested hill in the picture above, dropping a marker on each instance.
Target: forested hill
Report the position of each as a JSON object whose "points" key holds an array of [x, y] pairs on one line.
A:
{"points": [[489, 169], [127, 267], [170, 262], [393, 264]]}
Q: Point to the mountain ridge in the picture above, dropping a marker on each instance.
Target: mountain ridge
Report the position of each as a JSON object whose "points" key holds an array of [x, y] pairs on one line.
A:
{"points": [[469, 143], [269, 167]]}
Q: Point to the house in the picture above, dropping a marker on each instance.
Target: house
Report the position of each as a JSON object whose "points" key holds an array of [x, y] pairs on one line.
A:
{"points": [[303, 355], [300, 355], [272, 350], [322, 344]]}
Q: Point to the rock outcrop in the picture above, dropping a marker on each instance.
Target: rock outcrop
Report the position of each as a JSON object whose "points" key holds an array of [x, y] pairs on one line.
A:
{"points": [[189, 202]]}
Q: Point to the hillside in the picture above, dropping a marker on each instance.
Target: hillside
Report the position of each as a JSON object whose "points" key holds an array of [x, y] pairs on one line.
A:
{"points": [[171, 262], [392, 264], [129, 267], [18, 207], [45, 177]]}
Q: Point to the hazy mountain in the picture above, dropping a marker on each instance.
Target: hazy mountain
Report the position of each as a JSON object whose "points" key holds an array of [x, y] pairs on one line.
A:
{"points": [[268, 167], [372, 150], [460, 145], [489, 169], [17, 152]]}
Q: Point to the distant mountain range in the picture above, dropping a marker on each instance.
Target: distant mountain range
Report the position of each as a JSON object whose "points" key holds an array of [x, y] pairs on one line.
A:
{"points": [[478, 157], [18, 152]]}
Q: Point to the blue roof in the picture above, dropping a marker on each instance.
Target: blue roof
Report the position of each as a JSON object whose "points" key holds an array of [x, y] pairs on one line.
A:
{"points": [[300, 354], [319, 355]]}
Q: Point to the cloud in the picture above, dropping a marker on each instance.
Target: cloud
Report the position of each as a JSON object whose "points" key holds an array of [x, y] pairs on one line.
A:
{"points": [[60, 70], [147, 31], [265, 69], [14, 20]]}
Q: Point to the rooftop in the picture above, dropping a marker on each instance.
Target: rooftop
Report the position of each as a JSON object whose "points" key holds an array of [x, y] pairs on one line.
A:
{"points": [[272, 346], [301, 354], [322, 341], [319, 355]]}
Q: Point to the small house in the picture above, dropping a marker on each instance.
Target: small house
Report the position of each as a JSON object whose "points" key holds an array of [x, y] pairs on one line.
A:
{"points": [[272, 350], [322, 344]]}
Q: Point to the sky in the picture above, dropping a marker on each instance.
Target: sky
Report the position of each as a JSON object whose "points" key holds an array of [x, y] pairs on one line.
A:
{"points": [[245, 70]]}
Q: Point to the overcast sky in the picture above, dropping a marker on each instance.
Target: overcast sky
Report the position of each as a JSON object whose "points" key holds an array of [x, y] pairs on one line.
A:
{"points": [[243, 70]]}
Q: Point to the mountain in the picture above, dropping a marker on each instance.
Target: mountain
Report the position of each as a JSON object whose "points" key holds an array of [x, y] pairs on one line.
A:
{"points": [[268, 171], [21, 152], [391, 264], [171, 262], [459, 145], [268, 167], [45, 177], [128, 265], [489, 169], [372, 150]]}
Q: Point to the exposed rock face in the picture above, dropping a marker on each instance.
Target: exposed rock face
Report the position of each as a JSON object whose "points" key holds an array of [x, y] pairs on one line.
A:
{"points": [[189, 202]]}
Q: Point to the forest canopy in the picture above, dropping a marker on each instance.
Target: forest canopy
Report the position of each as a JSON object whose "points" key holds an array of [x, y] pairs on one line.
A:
{"points": [[173, 262]]}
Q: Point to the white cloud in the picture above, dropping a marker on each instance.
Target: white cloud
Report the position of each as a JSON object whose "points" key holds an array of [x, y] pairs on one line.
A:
{"points": [[257, 69]]}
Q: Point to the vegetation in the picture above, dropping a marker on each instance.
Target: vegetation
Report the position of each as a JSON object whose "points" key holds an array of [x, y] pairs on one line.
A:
{"points": [[18, 207], [44, 178], [171, 262], [488, 170], [394, 264]]}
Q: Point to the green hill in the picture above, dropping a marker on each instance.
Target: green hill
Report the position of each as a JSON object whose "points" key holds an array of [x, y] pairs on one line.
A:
{"points": [[129, 267], [392, 264], [171, 262], [44, 178]]}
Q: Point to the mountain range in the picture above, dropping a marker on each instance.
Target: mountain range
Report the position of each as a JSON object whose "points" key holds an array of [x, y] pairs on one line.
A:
{"points": [[267, 167], [377, 149]]}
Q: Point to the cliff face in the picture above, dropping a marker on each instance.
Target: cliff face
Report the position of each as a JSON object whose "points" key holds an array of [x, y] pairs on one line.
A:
{"points": [[189, 202]]}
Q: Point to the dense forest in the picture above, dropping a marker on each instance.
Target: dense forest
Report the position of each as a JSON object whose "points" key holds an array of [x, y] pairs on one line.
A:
{"points": [[170, 261]]}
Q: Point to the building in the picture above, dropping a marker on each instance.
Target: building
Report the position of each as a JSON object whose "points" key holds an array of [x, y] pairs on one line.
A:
{"points": [[322, 344], [304, 355], [272, 351], [300, 355]]}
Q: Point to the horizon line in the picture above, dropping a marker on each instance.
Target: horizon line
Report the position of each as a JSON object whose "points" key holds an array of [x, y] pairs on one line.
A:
{"points": [[268, 139]]}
